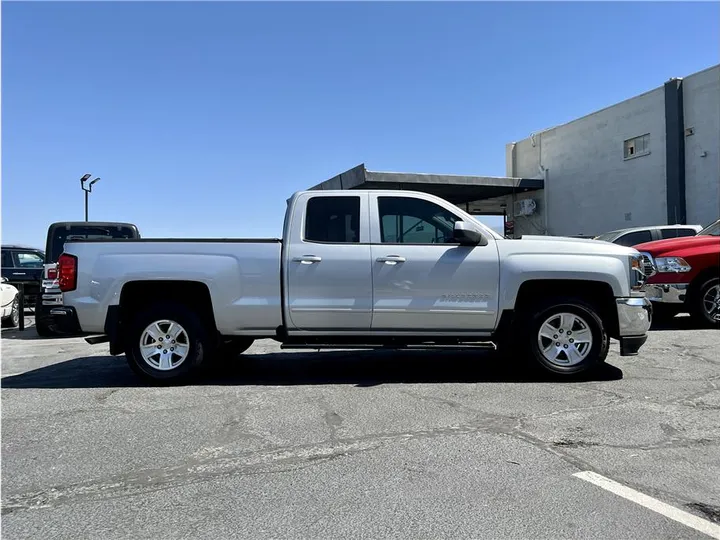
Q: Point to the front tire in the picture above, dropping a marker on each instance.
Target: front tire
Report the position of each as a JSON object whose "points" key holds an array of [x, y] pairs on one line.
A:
{"points": [[566, 337], [167, 342], [705, 305]]}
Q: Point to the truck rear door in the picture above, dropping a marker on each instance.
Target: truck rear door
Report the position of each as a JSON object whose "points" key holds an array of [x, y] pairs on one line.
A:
{"points": [[328, 279]]}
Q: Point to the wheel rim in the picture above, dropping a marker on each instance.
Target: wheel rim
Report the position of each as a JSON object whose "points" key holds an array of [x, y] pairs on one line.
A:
{"points": [[164, 345], [711, 303], [565, 339], [15, 313]]}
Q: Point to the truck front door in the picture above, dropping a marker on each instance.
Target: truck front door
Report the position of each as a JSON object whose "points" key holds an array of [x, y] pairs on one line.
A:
{"points": [[423, 280], [327, 263]]}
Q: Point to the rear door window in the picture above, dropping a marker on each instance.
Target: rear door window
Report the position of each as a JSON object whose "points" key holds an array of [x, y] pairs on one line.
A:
{"points": [[675, 233], [7, 261], [28, 259], [634, 238], [334, 220]]}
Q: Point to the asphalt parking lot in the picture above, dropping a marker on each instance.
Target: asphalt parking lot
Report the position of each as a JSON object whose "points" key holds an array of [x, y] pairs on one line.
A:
{"points": [[361, 445]]}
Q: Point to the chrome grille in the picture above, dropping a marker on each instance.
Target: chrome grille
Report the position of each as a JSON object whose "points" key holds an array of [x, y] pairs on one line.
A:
{"points": [[648, 264]]}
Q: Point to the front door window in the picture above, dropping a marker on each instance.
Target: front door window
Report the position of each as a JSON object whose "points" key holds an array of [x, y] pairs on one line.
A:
{"points": [[405, 220]]}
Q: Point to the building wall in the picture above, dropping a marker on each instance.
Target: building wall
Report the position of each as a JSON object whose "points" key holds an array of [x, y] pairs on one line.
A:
{"points": [[701, 97], [591, 187]]}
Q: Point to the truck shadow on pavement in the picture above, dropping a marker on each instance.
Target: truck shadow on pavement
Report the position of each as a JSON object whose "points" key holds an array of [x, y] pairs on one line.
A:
{"points": [[359, 368], [677, 323]]}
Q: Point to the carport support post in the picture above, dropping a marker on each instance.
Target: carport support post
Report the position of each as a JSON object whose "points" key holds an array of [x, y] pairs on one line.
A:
{"points": [[21, 306]]}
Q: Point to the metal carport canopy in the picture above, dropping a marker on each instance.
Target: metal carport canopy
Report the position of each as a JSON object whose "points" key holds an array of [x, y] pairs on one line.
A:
{"points": [[457, 189]]}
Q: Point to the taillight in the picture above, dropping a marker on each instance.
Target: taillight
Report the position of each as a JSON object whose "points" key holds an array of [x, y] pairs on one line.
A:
{"points": [[52, 273], [67, 272]]}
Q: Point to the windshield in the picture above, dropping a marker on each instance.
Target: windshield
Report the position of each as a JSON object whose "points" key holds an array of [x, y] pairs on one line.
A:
{"points": [[81, 232], [711, 230], [607, 237]]}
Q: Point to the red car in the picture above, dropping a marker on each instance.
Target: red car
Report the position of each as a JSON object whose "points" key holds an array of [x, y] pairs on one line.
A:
{"points": [[684, 275]]}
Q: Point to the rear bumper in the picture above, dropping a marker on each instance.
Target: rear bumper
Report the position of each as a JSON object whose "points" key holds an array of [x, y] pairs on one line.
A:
{"points": [[634, 319], [64, 318], [666, 293]]}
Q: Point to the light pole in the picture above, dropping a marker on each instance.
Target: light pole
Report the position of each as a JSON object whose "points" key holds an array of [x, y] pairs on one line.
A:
{"points": [[87, 190]]}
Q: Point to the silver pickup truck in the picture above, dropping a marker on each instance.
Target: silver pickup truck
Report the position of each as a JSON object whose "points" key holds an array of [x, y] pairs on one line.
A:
{"points": [[358, 269]]}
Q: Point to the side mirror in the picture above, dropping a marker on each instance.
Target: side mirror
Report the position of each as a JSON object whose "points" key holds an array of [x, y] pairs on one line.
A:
{"points": [[3, 280], [466, 235]]}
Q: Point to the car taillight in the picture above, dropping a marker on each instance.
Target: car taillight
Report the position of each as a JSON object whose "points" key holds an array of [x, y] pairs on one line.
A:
{"points": [[67, 272], [52, 273]]}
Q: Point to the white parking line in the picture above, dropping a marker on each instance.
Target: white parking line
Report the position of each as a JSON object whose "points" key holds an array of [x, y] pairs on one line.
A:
{"points": [[690, 520]]}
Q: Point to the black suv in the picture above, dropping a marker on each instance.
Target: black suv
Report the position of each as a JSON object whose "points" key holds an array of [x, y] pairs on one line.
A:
{"points": [[24, 265]]}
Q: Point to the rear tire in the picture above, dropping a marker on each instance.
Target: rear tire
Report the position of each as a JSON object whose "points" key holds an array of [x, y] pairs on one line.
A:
{"points": [[175, 343], [43, 320], [705, 305], [564, 336]]}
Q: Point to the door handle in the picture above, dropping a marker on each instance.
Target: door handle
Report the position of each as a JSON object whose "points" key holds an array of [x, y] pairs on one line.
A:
{"points": [[391, 259], [307, 259]]}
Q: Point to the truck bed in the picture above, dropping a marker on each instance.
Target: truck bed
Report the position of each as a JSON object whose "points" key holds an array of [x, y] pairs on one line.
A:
{"points": [[242, 276]]}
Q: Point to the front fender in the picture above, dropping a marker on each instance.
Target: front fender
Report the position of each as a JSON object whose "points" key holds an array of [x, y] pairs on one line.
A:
{"points": [[520, 268]]}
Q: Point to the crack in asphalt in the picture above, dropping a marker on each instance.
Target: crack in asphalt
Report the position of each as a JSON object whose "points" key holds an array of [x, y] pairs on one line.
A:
{"points": [[291, 458], [200, 470]]}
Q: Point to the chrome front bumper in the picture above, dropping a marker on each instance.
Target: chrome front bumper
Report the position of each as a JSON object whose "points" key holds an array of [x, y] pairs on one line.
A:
{"points": [[672, 293], [634, 319], [634, 316]]}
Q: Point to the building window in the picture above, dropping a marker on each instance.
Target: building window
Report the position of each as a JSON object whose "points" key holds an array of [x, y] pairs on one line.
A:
{"points": [[637, 146]]}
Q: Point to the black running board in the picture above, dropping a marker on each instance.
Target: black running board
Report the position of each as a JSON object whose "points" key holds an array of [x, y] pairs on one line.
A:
{"points": [[94, 340], [428, 346]]}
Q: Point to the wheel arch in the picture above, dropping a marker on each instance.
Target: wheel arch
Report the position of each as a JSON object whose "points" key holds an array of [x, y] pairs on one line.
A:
{"points": [[598, 294], [699, 280], [138, 295]]}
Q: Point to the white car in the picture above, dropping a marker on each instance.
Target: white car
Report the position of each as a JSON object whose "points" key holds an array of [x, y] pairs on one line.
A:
{"points": [[10, 305]]}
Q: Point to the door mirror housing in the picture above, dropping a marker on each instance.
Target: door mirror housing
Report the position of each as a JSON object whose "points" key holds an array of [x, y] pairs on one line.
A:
{"points": [[466, 235], [3, 280]]}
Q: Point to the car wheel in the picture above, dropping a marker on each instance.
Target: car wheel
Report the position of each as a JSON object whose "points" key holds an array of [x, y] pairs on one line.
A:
{"points": [[167, 342], [705, 306], [566, 337], [13, 320]]}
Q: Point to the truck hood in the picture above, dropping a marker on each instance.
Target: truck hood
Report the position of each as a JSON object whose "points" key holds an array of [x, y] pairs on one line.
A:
{"points": [[564, 244], [663, 247]]}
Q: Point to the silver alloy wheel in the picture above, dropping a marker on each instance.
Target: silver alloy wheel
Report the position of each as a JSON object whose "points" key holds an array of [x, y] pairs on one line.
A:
{"points": [[711, 303], [164, 345], [15, 313], [565, 339]]}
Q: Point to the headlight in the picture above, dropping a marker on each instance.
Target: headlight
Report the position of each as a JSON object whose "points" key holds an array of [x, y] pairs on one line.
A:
{"points": [[672, 264], [637, 272]]}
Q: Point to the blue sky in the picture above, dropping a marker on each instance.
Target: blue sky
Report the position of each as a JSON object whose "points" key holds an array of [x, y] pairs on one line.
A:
{"points": [[202, 118]]}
